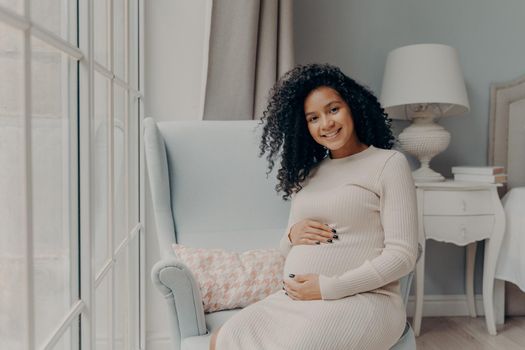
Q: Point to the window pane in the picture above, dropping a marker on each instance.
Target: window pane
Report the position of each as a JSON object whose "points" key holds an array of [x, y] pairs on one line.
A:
{"points": [[12, 237], [101, 31], [103, 314], [133, 43], [100, 171], [134, 298], [15, 5], [54, 109], [11, 88], [57, 16], [119, 170], [119, 38], [121, 302]]}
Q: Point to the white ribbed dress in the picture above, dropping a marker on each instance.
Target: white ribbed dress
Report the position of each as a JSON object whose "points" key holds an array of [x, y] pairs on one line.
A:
{"points": [[369, 198]]}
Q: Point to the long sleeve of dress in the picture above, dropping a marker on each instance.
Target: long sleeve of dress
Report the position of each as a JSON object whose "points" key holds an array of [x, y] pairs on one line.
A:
{"points": [[398, 213]]}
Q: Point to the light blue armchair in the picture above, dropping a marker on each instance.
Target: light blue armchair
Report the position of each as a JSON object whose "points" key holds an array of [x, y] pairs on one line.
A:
{"points": [[209, 189]]}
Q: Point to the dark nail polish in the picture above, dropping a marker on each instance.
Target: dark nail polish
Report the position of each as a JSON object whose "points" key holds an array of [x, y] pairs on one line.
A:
{"points": [[330, 241], [283, 288], [317, 242], [336, 236], [286, 293], [291, 275], [334, 231]]}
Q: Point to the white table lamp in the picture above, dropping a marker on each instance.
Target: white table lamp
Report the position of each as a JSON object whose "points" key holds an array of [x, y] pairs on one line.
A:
{"points": [[422, 82]]}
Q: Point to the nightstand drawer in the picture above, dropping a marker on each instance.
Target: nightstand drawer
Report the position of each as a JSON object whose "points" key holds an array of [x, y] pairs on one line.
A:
{"points": [[457, 203], [459, 230]]}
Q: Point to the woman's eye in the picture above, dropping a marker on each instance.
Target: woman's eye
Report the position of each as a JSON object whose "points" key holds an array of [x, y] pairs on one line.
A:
{"points": [[334, 110], [313, 119]]}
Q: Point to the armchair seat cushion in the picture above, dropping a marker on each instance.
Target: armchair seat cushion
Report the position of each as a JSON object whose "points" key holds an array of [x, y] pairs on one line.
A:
{"points": [[216, 319], [229, 280], [201, 342]]}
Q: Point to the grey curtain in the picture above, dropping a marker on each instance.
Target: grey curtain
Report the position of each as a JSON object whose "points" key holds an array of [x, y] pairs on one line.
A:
{"points": [[251, 45]]}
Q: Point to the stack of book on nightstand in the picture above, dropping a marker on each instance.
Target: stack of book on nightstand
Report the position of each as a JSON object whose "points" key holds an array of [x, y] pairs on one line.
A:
{"points": [[491, 174]]}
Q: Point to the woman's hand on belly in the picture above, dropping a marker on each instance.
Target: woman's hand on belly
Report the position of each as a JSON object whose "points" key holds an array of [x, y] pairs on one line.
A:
{"points": [[303, 287], [311, 232]]}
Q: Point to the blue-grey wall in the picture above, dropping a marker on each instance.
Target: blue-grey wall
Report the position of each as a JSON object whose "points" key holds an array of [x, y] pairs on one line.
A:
{"points": [[357, 35]]}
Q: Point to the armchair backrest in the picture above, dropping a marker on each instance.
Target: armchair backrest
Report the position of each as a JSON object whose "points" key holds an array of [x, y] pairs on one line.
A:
{"points": [[219, 194]]}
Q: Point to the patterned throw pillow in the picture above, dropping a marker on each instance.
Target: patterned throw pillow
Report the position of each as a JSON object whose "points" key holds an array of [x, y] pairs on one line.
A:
{"points": [[231, 280]]}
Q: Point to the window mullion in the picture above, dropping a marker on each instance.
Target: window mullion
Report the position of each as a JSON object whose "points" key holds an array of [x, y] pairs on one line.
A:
{"points": [[75, 311], [13, 19], [126, 243], [111, 203], [110, 75], [86, 121], [111, 175], [27, 198], [99, 278], [142, 193], [55, 41], [25, 24], [126, 42], [104, 71], [70, 85]]}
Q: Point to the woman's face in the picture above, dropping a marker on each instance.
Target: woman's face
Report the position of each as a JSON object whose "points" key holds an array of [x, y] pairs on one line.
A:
{"points": [[330, 122]]}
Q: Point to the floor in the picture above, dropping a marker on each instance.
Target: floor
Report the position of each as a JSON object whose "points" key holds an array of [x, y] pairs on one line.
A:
{"points": [[465, 333]]}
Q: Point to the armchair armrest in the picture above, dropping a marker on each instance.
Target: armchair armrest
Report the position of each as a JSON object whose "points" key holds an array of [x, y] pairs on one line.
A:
{"points": [[406, 281], [181, 291]]}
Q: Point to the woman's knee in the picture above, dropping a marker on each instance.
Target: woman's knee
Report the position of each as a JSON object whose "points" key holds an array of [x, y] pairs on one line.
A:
{"points": [[213, 340]]}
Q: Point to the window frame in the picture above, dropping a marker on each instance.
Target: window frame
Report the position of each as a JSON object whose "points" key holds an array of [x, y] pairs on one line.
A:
{"points": [[81, 316]]}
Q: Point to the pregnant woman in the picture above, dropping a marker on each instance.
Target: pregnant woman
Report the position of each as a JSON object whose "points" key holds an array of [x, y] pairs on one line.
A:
{"points": [[352, 231]]}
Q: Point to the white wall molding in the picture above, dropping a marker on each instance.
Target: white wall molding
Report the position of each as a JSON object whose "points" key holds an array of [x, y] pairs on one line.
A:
{"points": [[158, 341], [446, 305]]}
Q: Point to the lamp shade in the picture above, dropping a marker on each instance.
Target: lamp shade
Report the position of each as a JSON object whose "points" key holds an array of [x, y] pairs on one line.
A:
{"points": [[423, 74]]}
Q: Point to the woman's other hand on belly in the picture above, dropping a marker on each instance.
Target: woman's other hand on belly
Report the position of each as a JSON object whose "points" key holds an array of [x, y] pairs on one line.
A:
{"points": [[303, 287], [311, 232]]}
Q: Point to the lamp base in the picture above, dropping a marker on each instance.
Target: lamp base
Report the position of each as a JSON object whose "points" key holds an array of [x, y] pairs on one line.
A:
{"points": [[425, 174], [424, 139]]}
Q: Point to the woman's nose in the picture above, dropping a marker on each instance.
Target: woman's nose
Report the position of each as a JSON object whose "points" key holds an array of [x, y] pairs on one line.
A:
{"points": [[327, 122]]}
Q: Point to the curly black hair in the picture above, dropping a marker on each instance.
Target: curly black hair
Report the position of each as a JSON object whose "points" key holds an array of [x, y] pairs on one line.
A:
{"points": [[285, 131]]}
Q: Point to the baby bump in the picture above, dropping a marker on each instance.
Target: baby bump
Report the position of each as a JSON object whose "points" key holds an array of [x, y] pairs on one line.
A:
{"points": [[327, 259]]}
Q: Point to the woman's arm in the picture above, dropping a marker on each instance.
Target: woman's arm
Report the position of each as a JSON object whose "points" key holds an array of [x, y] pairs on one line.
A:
{"points": [[398, 210], [285, 244]]}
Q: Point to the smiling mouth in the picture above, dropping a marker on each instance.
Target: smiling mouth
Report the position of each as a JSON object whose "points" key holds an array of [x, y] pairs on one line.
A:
{"points": [[332, 134]]}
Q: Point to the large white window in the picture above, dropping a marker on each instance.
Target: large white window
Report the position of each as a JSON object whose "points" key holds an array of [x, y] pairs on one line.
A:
{"points": [[71, 175]]}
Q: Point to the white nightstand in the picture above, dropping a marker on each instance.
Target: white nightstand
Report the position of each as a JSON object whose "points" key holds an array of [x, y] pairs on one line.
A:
{"points": [[463, 213]]}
